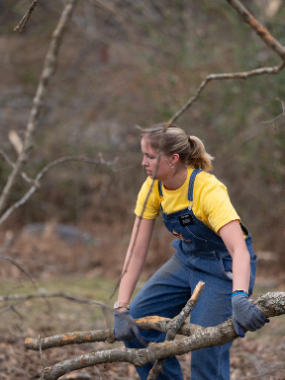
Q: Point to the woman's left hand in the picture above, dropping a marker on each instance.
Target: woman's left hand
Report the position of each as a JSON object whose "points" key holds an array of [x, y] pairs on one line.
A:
{"points": [[246, 315]]}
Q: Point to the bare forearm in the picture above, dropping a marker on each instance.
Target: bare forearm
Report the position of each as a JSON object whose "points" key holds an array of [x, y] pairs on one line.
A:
{"points": [[135, 258], [241, 270], [130, 276], [233, 238]]}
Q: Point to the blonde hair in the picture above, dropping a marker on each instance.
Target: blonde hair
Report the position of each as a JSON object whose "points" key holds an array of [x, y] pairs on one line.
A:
{"points": [[173, 140]]}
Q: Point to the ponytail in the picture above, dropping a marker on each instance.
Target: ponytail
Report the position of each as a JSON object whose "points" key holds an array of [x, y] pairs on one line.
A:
{"points": [[191, 150], [198, 158]]}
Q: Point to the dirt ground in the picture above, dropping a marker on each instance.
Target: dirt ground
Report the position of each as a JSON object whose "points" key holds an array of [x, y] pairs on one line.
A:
{"points": [[92, 271]]}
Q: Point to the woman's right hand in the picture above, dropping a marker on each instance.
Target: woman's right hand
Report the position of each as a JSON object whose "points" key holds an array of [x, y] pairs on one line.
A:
{"points": [[125, 327]]}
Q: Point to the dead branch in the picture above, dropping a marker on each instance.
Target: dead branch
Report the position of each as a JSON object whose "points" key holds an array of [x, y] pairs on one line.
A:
{"points": [[41, 351], [26, 17], [255, 363], [120, 17], [263, 33], [270, 304], [248, 135], [23, 174], [107, 335], [48, 70], [24, 298], [175, 326], [7, 158], [36, 181], [19, 267], [238, 75], [279, 116]]}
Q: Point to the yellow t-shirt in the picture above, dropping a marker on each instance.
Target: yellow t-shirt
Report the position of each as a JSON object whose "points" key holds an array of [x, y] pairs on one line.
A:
{"points": [[211, 203]]}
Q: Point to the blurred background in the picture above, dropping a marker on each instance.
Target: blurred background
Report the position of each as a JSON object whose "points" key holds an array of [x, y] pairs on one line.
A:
{"points": [[123, 64]]}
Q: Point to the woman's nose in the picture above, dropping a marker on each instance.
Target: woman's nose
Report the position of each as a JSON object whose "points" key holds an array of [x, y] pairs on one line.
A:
{"points": [[144, 162]]}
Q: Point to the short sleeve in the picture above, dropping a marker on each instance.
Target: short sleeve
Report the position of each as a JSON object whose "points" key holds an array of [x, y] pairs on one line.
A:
{"points": [[218, 207], [153, 203]]}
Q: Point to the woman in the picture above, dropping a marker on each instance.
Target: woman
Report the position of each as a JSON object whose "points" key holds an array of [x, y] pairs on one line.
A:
{"points": [[212, 246]]}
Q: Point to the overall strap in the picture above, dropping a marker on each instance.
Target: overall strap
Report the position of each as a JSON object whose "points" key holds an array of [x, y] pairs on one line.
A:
{"points": [[159, 188], [160, 193], [191, 184]]}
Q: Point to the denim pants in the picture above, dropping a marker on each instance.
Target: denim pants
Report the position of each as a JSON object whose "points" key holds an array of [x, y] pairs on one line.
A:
{"points": [[166, 293]]}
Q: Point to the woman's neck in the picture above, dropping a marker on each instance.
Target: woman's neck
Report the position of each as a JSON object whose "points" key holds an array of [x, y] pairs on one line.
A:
{"points": [[176, 180]]}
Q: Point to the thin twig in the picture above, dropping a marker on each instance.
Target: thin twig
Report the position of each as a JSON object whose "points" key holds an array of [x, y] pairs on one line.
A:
{"points": [[238, 75], [26, 17], [175, 326], [19, 267], [279, 116], [266, 373], [23, 174], [23, 298], [99, 373], [41, 351], [7, 158], [17, 313], [36, 181]]}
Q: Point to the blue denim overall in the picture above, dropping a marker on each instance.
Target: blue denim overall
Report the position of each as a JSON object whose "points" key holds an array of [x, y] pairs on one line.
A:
{"points": [[201, 255]]}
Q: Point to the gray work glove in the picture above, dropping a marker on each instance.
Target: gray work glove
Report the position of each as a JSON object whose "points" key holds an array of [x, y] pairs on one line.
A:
{"points": [[246, 315], [125, 327]]}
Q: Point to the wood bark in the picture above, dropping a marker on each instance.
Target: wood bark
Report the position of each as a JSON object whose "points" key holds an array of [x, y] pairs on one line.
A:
{"points": [[263, 33]]}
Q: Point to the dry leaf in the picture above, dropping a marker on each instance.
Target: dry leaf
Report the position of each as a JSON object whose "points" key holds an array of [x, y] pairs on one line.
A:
{"points": [[16, 141], [272, 7]]}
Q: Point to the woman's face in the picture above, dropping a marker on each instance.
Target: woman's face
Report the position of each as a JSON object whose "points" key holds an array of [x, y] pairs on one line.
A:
{"points": [[149, 162]]}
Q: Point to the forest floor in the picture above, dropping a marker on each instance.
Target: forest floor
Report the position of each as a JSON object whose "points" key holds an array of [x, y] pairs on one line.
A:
{"points": [[90, 272]]}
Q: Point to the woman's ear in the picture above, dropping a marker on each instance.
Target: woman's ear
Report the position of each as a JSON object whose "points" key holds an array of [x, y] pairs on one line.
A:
{"points": [[174, 159]]}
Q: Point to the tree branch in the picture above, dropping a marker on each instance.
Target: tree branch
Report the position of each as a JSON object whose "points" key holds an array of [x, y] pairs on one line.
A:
{"points": [[36, 181], [107, 335], [270, 304], [19, 267], [48, 70], [263, 33], [175, 326], [237, 75], [279, 116], [26, 17], [78, 337], [23, 298], [23, 174]]}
